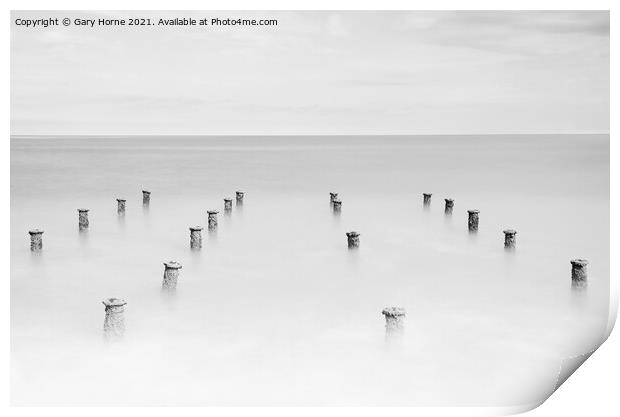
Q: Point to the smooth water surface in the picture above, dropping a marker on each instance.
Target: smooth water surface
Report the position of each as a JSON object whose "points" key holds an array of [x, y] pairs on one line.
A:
{"points": [[275, 310]]}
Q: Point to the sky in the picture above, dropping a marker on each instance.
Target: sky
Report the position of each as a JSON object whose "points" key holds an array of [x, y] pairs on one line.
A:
{"points": [[315, 73]]}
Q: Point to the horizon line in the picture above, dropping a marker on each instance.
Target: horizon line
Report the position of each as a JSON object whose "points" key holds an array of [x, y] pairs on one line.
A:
{"points": [[305, 135]]}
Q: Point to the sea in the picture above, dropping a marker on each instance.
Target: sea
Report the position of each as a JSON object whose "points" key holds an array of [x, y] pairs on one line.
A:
{"points": [[275, 309]]}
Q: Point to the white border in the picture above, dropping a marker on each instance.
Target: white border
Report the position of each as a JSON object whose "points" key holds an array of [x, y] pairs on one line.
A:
{"points": [[592, 390]]}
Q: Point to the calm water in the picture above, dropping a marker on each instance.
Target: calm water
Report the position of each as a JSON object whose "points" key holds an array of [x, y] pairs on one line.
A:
{"points": [[275, 310]]}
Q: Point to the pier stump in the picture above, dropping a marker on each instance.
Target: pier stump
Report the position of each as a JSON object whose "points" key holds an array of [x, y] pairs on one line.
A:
{"points": [[449, 206], [427, 199], [120, 208], [36, 240], [579, 273], [212, 220], [171, 275], [473, 220], [83, 219], [114, 323], [337, 206], [353, 240], [394, 321], [227, 205], [510, 239], [195, 237], [239, 197], [333, 197], [146, 198]]}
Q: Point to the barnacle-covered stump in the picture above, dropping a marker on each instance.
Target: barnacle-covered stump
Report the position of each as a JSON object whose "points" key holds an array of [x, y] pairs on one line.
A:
{"points": [[353, 240], [120, 207], [510, 239], [579, 273], [146, 198], [212, 220], [239, 197], [473, 220], [83, 219], [195, 237], [171, 275], [36, 240], [337, 206], [394, 321], [427, 199], [449, 206], [114, 323]]}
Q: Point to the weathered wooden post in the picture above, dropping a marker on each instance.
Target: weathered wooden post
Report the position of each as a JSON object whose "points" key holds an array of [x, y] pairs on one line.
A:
{"points": [[353, 240], [120, 208], [195, 237], [337, 206], [171, 275], [333, 197], [212, 220], [449, 206], [510, 239], [146, 198], [394, 321], [427, 199], [239, 197], [36, 240], [579, 273], [473, 220], [83, 219], [114, 323], [227, 205]]}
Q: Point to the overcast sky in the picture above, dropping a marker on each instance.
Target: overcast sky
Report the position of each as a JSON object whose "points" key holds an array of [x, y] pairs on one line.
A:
{"points": [[315, 73]]}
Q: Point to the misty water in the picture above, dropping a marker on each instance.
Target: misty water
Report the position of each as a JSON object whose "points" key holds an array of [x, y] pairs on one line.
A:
{"points": [[275, 310]]}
